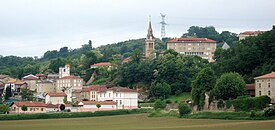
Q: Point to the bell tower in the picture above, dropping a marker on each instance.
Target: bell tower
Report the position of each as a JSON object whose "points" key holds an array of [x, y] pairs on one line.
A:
{"points": [[149, 49]]}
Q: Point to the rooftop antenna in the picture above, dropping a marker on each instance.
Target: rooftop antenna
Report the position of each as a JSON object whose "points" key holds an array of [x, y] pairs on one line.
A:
{"points": [[163, 23]]}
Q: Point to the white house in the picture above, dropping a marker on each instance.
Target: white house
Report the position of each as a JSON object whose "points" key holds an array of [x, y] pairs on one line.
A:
{"points": [[125, 98], [92, 105], [55, 98]]}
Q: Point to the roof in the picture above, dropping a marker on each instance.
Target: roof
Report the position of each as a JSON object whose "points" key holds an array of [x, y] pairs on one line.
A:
{"points": [[30, 77], [60, 94], [122, 89], [3, 76], [252, 32], [102, 64], [189, 40], [70, 77], [250, 87], [150, 32], [11, 81], [20, 82], [52, 106], [30, 104], [100, 88], [266, 76], [126, 60], [99, 102], [225, 46]]}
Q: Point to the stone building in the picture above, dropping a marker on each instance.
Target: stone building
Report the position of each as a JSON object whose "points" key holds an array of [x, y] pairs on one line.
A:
{"points": [[202, 47], [245, 34], [149, 48], [265, 85]]}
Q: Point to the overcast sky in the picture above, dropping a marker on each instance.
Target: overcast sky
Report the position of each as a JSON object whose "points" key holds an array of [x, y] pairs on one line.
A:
{"points": [[31, 27]]}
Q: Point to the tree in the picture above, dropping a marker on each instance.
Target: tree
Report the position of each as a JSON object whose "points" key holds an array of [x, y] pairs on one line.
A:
{"points": [[26, 94], [24, 108], [90, 44], [160, 90], [4, 108], [229, 85], [8, 93], [98, 106], [159, 104], [203, 82], [55, 64], [62, 107]]}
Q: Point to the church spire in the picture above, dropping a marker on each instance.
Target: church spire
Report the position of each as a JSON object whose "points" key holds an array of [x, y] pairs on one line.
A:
{"points": [[150, 31]]}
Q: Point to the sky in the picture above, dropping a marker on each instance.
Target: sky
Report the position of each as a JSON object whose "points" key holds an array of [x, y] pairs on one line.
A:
{"points": [[32, 27]]}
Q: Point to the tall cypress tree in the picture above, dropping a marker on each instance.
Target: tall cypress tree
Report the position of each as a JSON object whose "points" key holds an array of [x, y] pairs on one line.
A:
{"points": [[8, 93]]}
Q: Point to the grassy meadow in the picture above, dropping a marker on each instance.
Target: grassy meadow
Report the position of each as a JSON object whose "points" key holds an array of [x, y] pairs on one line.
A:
{"points": [[136, 122]]}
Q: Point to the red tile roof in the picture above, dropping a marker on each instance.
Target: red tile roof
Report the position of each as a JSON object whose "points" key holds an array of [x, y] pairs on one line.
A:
{"points": [[30, 78], [70, 77], [99, 102], [39, 75], [250, 87], [102, 64], [188, 40], [20, 82], [266, 76], [52, 106], [126, 60], [252, 32], [122, 89], [99, 88], [60, 94], [30, 104]]}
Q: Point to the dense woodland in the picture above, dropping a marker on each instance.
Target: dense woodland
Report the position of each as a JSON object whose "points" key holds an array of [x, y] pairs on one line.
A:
{"points": [[169, 74]]}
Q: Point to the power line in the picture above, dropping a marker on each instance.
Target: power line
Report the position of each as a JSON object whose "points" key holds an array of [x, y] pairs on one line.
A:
{"points": [[163, 23]]}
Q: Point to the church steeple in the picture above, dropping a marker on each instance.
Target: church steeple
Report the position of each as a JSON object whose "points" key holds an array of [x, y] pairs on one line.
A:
{"points": [[150, 32], [149, 48]]}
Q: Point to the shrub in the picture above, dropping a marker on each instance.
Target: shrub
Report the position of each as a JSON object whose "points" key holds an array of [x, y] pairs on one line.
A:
{"points": [[252, 113], [159, 104], [184, 109], [270, 111], [220, 104], [228, 104], [168, 101], [251, 103]]}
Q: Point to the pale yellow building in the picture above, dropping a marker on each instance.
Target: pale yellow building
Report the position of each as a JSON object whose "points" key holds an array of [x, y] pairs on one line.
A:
{"points": [[265, 85], [90, 93], [31, 81], [202, 47], [32, 107]]}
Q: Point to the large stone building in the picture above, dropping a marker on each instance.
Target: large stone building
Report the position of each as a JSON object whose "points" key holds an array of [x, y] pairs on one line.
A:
{"points": [[265, 85], [243, 35], [31, 80], [202, 47], [69, 84], [44, 87], [64, 71], [149, 48]]}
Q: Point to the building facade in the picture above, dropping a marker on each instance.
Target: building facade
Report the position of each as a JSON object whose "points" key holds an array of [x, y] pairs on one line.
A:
{"points": [[64, 71], [265, 85], [55, 98], [44, 87], [32, 107], [31, 81], [69, 84], [149, 48], [202, 47]]}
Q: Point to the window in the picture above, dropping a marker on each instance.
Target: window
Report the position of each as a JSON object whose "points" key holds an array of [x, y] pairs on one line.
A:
{"points": [[120, 102], [116, 94], [260, 85], [42, 109], [260, 93], [109, 94], [268, 85], [268, 93]]}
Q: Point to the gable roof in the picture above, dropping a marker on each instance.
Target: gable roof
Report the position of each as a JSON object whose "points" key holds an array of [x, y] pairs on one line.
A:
{"points": [[99, 102], [30, 104], [100, 88], [225, 46], [251, 32], [266, 76], [58, 94], [122, 89], [102, 64], [70, 77], [30, 77], [191, 40]]}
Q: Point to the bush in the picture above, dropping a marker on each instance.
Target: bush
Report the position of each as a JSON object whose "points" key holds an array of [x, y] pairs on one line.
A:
{"points": [[168, 101], [270, 111], [71, 114], [228, 103], [184, 109], [159, 104], [251, 103], [252, 113]]}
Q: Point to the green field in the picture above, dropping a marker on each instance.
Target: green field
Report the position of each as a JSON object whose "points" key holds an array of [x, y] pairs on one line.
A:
{"points": [[138, 122]]}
